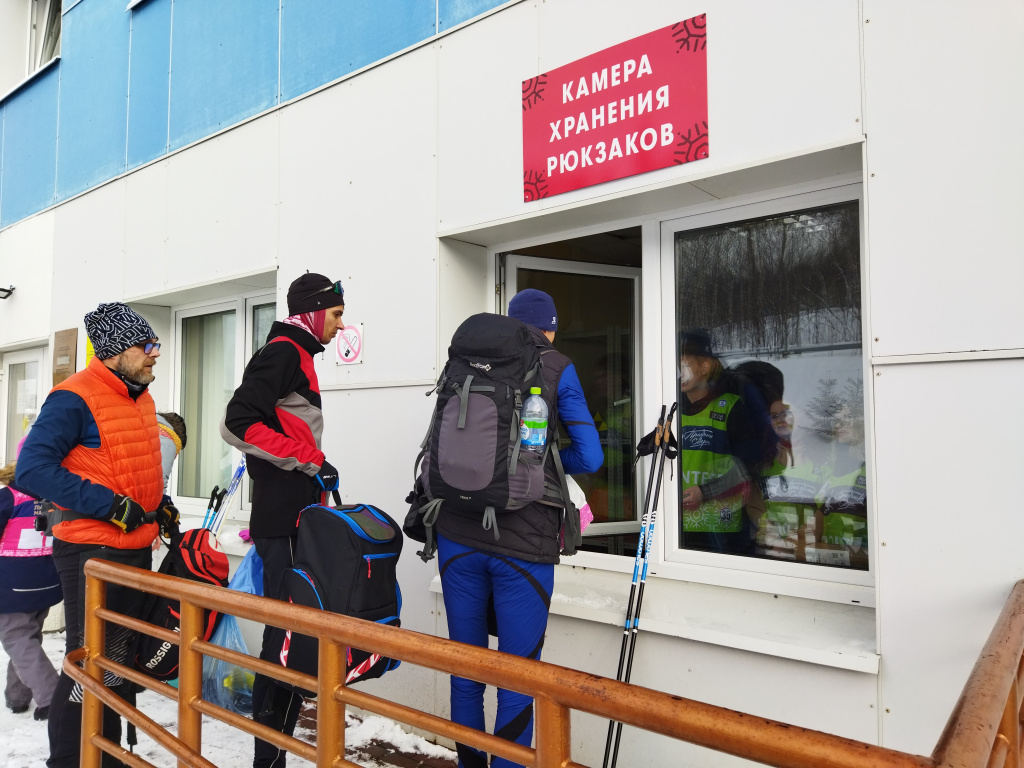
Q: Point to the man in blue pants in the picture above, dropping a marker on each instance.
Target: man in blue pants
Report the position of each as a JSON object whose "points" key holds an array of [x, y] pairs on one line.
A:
{"points": [[516, 572]]}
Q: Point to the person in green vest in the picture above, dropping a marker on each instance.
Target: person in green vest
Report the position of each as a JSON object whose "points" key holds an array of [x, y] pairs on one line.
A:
{"points": [[719, 452], [790, 488], [791, 493], [842, 525]]}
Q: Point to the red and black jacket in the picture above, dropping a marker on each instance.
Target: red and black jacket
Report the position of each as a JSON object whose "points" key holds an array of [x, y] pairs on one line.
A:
{"points": [[274, 418]]}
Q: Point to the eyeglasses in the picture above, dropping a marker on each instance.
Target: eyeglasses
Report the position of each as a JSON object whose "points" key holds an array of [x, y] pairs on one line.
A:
{"points": [[149, 346], [785, 415]]}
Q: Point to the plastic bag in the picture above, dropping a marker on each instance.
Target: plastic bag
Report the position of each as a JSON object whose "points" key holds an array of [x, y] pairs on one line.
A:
{"points": [[249, 576], [226, 684], [579, 500]]}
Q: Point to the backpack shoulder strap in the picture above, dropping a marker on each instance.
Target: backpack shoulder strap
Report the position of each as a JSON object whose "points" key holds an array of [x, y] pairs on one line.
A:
{"points": [[571, 525]]}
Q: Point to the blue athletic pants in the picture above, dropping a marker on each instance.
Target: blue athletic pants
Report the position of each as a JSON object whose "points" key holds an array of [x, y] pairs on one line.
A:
{"points": [[522, 596]]}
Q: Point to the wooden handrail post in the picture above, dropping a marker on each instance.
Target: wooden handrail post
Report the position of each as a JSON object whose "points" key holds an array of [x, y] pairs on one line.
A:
{"points": [[92, 707], [330, 712], [190, 678], [554, 745], [1010, 727]]}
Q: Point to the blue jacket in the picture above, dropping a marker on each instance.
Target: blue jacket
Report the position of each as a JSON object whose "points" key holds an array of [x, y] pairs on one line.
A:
{"points": [[584, 454], [28, 578], [64, 422]]}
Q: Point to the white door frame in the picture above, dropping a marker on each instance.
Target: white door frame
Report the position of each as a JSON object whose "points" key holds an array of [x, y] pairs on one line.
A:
{"points": [[515, 262]]}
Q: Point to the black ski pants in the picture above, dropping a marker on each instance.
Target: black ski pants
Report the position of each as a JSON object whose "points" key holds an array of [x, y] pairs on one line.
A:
{"points": [[274, 705], [65, 722]]}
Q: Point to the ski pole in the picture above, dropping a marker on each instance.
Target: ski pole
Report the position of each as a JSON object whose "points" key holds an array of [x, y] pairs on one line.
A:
{"points": [[225, 500], [665, 447], [209, 507], [636, 573]]}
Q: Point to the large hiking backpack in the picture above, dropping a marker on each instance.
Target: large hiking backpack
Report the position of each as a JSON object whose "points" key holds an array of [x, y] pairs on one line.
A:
{"points": [[345, 562], [194, 555], [471, 459]]}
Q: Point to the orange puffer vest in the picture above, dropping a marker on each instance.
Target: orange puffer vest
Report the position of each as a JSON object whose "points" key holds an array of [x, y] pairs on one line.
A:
{"points": [[127, 461]]}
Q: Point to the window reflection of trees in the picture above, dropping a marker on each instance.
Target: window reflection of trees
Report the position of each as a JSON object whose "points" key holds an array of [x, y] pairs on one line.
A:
{"points": [[785, 284]]}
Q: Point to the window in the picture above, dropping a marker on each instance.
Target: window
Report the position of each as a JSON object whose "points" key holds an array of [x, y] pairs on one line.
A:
{"points": [[207, 383], [215, 341], [770, 374], [21, 377]]}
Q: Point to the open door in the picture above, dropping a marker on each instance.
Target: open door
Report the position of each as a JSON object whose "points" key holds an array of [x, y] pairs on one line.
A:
{"points": [[599, 329]]}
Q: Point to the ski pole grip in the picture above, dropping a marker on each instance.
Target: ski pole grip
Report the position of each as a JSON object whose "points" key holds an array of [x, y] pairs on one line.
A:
{"points": [[336, 496]]}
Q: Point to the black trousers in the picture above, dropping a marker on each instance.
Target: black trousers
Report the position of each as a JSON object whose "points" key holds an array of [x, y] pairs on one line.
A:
{"points": [[65, 722], [273, 705]]}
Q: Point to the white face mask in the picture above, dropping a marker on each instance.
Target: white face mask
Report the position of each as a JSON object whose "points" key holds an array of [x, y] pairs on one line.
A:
{"points": [[685, 374]]}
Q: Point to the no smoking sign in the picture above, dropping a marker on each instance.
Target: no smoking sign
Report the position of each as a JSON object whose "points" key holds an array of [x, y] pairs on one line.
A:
{"points": [[349, 344]]}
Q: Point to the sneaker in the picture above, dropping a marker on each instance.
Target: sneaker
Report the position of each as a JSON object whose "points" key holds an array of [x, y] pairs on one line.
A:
{"points": [[17, 708], [41, 713]]}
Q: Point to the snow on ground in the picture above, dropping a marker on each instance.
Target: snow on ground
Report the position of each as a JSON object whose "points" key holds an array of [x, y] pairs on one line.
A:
{"points": [[23, 741]]}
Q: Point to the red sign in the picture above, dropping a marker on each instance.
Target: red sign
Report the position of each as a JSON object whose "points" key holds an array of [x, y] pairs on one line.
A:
{"points": [[632, 108]]}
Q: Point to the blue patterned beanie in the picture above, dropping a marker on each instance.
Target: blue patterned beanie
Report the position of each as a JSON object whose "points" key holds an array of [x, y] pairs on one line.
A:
{"points": [[115, 327]]}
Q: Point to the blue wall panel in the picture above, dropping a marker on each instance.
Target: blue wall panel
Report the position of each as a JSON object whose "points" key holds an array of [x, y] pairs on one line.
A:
{"points": [[92, 130], [322, 40], [30, 148], [451, 13], [149, 82], [223, 64]]}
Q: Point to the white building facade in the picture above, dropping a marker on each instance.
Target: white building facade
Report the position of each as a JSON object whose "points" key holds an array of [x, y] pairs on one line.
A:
{"points": [[854, 223]]}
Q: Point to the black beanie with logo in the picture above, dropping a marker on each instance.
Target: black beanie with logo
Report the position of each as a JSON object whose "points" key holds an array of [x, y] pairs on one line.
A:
{"points": [[311, 292]]}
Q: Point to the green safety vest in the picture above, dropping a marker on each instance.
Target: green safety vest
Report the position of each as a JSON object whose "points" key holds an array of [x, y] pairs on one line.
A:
{"points": [[844, 499], [706, 454], [791, 495]]}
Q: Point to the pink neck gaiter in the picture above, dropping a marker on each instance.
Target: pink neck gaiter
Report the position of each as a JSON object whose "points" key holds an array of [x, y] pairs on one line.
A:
{"points": [[313, 322]]}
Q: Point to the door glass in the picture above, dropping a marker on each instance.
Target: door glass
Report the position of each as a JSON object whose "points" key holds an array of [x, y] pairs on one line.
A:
{"points": [[207, 383], [262, 319], [595, 329], [22, 408]]}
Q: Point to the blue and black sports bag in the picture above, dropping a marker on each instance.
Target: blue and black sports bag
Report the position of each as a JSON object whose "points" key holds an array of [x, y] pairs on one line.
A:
{"points": [[345, 562]]}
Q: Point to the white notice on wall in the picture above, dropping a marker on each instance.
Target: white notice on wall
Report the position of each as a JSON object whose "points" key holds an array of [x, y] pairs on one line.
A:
{"points": [[349, 344]]}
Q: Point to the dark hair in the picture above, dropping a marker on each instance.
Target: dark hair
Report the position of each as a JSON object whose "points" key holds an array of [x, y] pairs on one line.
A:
{"points": [[696, 342], [766, 377], [177, 424]]}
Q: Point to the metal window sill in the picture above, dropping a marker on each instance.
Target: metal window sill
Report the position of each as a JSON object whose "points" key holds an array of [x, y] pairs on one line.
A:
{"points": [[812, 631]]}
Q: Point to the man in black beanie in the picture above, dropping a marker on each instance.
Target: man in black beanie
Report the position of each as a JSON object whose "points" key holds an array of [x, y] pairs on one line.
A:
{"points": [[274, 417]]}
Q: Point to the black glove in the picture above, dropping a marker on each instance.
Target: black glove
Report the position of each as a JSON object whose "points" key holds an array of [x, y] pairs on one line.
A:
{"points": [[168, 517], [327, 477], [127, 514]]}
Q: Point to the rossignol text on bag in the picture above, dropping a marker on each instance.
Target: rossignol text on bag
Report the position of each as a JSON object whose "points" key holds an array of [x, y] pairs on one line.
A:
{"points": [[472, 458], [345, 562], [195, 555]]}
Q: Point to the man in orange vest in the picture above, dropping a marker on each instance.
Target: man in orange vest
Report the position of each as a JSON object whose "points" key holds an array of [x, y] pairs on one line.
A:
{"points": [[94, 451]]}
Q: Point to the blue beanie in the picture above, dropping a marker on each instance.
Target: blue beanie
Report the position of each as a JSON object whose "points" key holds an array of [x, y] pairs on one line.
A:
{"points": [[534, 308]]}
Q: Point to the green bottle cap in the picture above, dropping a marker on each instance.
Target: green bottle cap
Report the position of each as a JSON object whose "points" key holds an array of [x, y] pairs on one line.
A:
{"points": [[534, 390]]}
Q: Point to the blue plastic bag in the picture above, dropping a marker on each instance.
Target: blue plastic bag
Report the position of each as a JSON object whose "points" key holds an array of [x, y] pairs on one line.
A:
{"points": [[249, 576], [226, 684]]}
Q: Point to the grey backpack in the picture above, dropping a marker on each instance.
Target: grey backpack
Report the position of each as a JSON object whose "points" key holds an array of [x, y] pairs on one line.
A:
{"points": [[471, 458]]}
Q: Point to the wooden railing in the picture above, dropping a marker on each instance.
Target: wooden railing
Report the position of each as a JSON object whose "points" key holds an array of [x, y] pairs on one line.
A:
{"points": [[983, 732]]}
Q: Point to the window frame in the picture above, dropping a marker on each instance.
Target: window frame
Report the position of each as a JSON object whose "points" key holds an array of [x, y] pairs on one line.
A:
{"points": [[758, 573], [19, 357], [242, 305]]}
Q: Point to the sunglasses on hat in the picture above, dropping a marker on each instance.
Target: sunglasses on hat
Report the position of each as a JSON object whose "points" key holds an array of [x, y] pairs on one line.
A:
{"points": [[335, 288]]}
